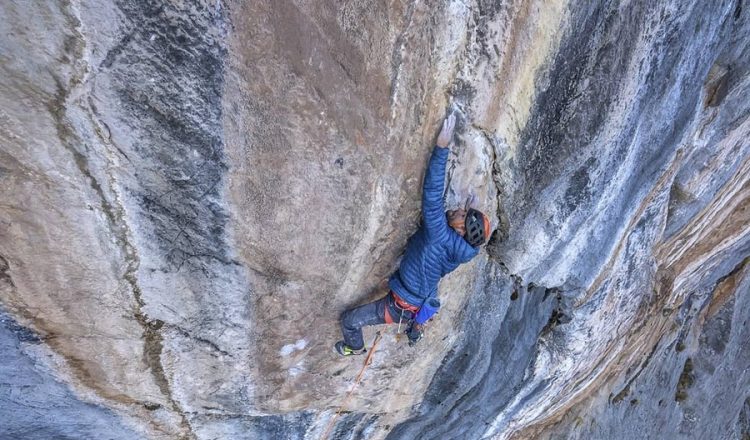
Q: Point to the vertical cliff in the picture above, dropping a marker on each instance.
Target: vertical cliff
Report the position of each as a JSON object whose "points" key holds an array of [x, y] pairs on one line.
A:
{"points": [[193, 191]]}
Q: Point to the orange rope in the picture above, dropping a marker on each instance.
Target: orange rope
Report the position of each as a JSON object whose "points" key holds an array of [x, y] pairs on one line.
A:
{"points": [[368, 360]]}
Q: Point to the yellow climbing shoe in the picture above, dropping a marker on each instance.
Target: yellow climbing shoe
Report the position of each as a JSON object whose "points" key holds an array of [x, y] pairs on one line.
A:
{"points": [[345, 350]]}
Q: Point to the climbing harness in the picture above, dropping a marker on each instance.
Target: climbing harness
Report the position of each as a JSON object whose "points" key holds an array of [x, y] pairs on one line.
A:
{"points": [[368, 360], [402, 306]]}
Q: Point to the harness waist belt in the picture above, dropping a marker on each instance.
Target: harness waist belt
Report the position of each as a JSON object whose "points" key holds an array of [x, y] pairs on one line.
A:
{"points": [[402, 304]]}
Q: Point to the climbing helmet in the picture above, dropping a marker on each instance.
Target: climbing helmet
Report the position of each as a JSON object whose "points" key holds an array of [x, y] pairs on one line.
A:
{"points": [[477, 227]]}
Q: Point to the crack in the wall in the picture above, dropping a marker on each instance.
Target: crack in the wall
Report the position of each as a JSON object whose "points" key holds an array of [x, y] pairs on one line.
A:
{"points": [[725, 287], [118, 225], [102, 130], [185, 333], [117, 218], [502, 230]]}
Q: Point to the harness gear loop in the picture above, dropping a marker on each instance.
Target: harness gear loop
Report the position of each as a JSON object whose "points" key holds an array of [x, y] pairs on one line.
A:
{"points": [[368, 361]]}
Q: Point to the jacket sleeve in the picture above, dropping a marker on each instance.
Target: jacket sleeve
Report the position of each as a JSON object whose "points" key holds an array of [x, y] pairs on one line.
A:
{"points": [[433, 211], [462, 250]]}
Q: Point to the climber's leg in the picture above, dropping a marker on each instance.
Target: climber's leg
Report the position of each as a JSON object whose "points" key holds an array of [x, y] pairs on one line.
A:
{"points": [[354, 319]]}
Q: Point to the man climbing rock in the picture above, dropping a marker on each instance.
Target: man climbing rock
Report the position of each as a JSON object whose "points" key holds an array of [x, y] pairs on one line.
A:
{"points": [[440, 245]]}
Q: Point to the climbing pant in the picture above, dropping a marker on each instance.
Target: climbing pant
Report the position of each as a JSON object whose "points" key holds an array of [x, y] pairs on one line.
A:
{"points": [[383, 311]]}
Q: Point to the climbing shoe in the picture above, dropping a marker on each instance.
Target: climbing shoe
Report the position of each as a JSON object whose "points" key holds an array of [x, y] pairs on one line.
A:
{"points": [[345, 350]]}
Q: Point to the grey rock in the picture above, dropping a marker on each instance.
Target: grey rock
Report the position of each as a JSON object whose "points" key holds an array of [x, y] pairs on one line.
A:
{"points": [[35, 405]]}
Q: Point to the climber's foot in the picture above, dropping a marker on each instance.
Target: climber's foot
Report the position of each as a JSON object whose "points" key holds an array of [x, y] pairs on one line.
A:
{"points": [[345, 350]]}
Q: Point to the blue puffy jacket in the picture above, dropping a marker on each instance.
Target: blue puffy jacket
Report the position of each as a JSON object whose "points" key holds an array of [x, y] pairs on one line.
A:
{"points": [[435, 249]]}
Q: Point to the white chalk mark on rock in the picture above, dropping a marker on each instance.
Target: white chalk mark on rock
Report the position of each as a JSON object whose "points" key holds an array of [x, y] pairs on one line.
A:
{"points": [[290, 348]]}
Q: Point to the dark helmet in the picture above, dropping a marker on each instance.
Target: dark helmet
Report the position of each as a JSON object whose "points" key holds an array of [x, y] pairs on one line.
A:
{"points": [[477, 227]]}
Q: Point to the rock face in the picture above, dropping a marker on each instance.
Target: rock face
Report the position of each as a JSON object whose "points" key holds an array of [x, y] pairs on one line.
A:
{"points": [[193, 191]]}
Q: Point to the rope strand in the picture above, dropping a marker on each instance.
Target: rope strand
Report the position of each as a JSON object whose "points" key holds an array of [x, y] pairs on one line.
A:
{"points": [[368, 360]]}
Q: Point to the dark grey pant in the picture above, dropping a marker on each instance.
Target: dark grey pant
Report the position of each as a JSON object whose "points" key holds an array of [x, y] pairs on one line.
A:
{"points": [[373, 313]]}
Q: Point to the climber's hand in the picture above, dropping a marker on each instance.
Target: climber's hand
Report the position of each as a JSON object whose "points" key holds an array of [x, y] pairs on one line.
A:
{"points": [[414, 333], [446, 133]]}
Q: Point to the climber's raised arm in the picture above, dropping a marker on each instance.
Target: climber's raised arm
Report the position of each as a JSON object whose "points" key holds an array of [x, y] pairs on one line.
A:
{"points": [[433, 211]]}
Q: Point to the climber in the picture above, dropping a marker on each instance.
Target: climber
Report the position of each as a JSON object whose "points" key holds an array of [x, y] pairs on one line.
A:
{"points": [[432, 252]]}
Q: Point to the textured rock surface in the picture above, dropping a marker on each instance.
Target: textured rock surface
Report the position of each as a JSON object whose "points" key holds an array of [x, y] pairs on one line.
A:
{"points": [[33, 405], [192, 192]]}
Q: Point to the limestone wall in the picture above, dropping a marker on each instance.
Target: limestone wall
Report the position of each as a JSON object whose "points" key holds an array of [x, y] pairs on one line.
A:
{"points": [[192, 191]]}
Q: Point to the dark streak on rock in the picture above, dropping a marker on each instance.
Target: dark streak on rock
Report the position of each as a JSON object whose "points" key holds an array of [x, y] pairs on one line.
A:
{"points": [[169, 74], [743, 421], [484, 14], [291, 425], [579, 190], [116, 50], [153, 342], [462, 91], [71, 141], [685, 382], [548, 138], [717, 85], [5, 272], [22, 334], [347, 71], [352, 425]]}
